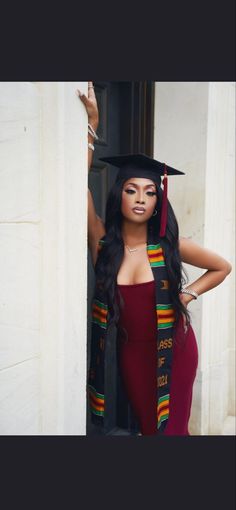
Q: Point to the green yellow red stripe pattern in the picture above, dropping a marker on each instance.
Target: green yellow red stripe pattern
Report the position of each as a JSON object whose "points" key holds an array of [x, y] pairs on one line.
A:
{"points": [[155, 255], [165, 316], [163, 409], [99, 313], [96, 401]]}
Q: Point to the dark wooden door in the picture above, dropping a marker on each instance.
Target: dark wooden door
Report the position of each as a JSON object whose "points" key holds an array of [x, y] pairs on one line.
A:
{"points": [[126, 112]]}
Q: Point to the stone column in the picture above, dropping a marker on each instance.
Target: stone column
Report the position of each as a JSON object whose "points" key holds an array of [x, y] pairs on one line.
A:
{"points": [[64, 259], [194, 132]]}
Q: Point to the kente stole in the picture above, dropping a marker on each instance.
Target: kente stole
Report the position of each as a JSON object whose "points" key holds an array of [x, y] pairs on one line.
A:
{"points": [[165, 319]]}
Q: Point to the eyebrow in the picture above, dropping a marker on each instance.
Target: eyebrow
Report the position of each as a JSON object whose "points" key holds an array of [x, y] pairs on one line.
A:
{"points": [[137, 186]]}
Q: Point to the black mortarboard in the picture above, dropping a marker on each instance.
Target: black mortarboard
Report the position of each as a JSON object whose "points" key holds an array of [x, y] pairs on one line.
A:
{"points": [[140, 165]]}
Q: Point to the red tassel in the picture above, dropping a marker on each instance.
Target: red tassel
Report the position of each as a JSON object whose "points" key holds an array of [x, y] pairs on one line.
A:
{"points": [[164, 206]]}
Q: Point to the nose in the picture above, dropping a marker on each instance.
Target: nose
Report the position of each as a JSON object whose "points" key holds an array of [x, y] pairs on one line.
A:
{"points": [[140, 198]]}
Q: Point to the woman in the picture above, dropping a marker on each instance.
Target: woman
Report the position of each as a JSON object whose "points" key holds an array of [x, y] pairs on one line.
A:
{"points": [[137, 256]]}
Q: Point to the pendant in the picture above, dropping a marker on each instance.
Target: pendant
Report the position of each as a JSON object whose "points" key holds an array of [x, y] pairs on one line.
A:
{"points": [[131, 249]]}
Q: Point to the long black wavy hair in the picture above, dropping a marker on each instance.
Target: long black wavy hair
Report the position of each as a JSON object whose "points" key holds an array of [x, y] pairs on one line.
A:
{"points": [[111, 256]]}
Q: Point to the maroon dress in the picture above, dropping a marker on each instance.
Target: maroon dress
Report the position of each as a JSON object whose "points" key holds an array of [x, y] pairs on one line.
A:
{"points": [[137, 359]]}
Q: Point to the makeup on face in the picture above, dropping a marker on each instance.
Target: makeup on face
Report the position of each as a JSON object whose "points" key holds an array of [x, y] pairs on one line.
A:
{"points": [[148, 196], [129, 188]]}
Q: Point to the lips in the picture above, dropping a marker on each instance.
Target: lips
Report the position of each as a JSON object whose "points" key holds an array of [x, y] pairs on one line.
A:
{"points": [[140, 209]]}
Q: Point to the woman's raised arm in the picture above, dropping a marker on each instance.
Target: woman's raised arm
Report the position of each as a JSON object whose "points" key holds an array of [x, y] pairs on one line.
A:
{"points": [[96, 228]]}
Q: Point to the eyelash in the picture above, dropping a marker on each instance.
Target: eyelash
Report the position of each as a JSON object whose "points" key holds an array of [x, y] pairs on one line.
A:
{"points": [[133, 191]]}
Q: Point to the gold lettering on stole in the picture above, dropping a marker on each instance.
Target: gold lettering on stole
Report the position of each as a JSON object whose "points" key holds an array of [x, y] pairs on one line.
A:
{"points": [[161, 361], [165, 284], [165, 344], [162, 380]]}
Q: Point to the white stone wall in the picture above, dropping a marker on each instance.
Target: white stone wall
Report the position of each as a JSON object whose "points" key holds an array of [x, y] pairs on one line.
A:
{"points": [[19, 258], [218, 361], [43, 259], [195, 132], [64, 259]]}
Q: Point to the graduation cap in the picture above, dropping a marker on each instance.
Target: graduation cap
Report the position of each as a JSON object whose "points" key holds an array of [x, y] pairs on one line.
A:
{"points": [[140, 165]]}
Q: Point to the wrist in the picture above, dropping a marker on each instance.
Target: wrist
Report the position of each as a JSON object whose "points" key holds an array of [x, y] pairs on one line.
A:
{"points": [[90, 138], [188, 298], [94, 122], [185, 298], [190, 292]]}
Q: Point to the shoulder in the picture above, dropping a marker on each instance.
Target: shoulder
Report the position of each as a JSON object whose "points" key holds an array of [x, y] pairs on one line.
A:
{"points": [[189, 249], [192, 253], [184, 244]]}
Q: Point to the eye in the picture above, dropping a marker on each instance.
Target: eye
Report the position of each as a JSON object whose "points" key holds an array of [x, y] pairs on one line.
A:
{"points": [[150, 193]]}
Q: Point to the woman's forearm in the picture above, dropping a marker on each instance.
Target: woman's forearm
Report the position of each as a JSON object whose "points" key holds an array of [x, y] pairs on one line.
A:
{"points": [[91, 140], [90, 104], [217, 267], [90, 151], [207, 281]]}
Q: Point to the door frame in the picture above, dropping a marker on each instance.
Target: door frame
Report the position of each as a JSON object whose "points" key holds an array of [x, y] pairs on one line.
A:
{"points": [[136, 135]]}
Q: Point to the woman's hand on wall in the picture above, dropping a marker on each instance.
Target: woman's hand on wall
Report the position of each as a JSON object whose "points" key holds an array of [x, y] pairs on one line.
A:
{"points": [[90, 103]]}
